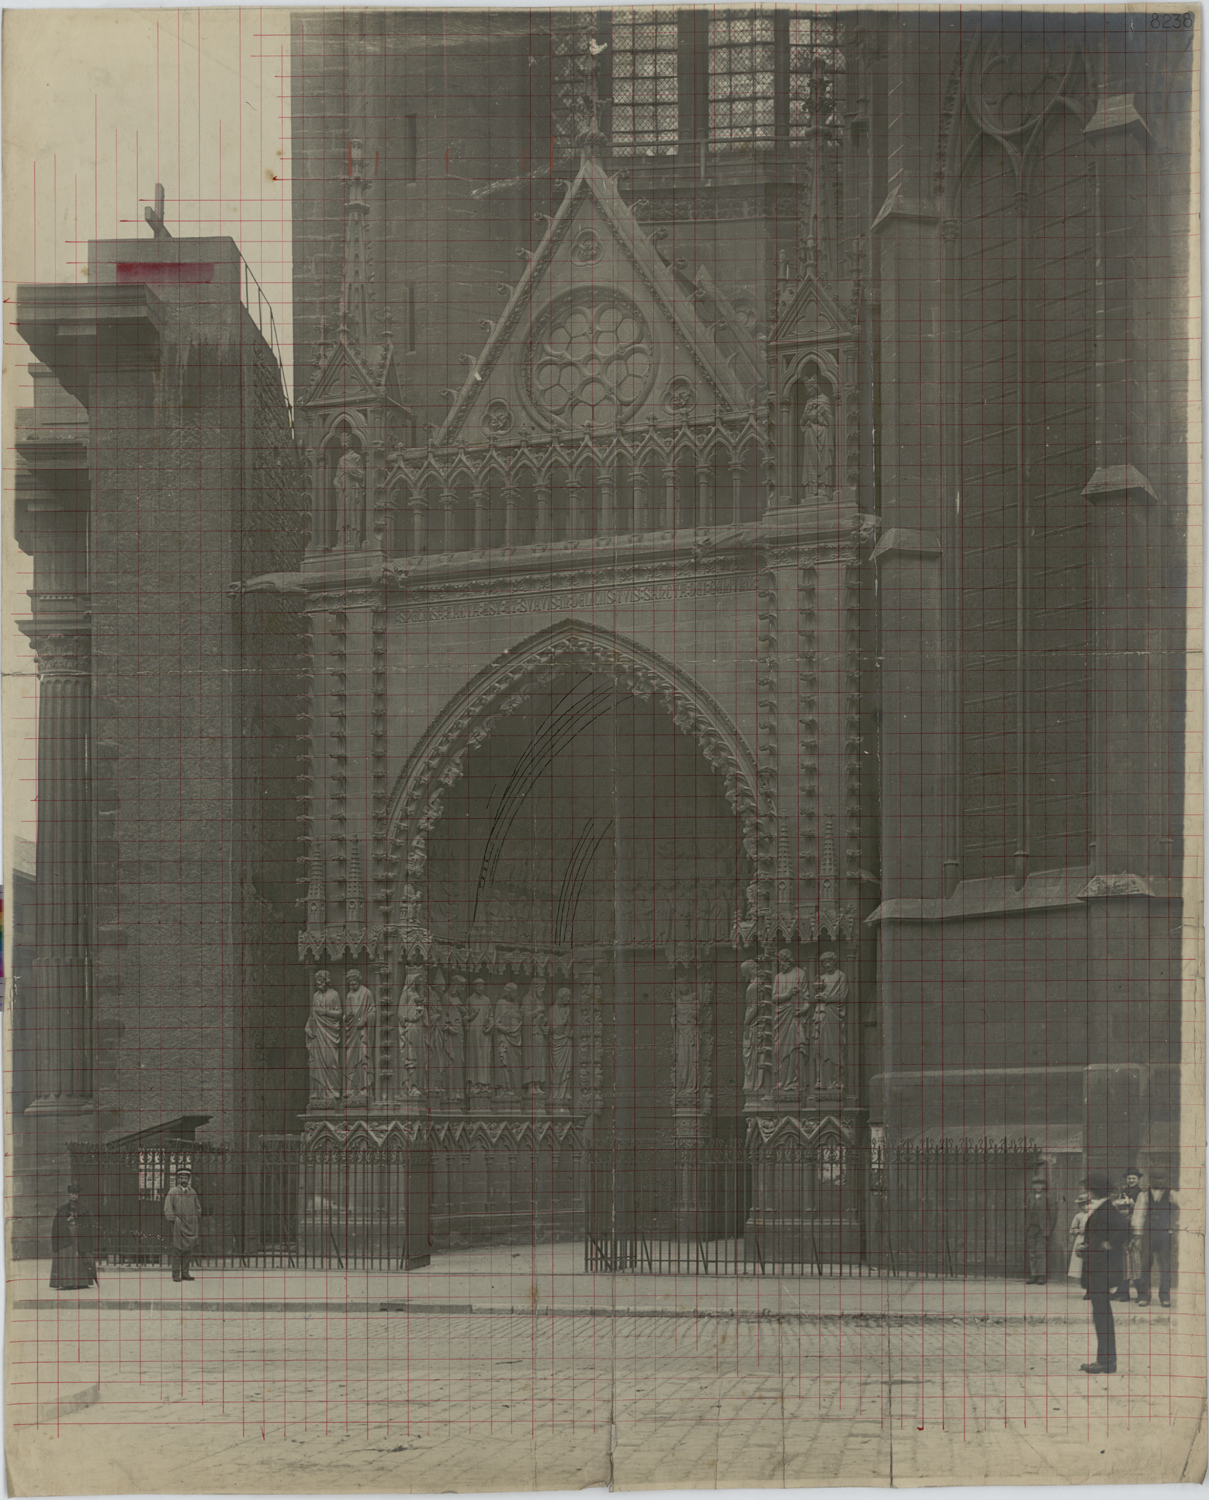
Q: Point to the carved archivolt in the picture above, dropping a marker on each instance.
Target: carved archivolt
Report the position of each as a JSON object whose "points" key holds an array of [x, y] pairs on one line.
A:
{"points": [[439, 761]]}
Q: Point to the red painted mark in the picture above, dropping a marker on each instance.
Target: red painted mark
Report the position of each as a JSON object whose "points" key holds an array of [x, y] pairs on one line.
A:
{"points": [[166, 273]]}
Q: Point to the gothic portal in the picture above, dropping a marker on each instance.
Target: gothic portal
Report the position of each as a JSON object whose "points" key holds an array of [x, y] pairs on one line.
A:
{"points": [[686, 680]]}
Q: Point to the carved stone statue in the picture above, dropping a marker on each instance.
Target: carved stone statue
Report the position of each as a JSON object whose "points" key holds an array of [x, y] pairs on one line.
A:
{"points": [[831, 992], [791, 1010], [323, 1041], [360, 1013], [560, 1047], [413, 1036], [693, 1044], [535, 1028], [816, 439], [454, 1036], [437, 1081], [756, 1059], [478, 1042], [349, 485], [506, 1028]]}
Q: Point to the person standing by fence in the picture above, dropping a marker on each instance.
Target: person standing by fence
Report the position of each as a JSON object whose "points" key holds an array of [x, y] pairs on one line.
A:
{"points": [[1105, 1240], [1040, 1221], [73, 1246], [183, 1211]]}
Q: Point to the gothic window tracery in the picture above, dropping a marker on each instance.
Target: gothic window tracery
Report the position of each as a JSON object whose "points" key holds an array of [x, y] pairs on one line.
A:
{"points": [[590, 360]]}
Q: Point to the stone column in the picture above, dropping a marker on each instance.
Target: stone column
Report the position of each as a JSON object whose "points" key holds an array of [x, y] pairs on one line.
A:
{"points": [[63, 1052]]}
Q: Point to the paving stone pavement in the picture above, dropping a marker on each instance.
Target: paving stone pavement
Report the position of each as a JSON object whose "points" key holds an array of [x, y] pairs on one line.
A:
{"points": [[443, 1398]]}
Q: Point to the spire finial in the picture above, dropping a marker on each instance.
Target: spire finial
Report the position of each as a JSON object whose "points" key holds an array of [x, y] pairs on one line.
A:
{"points": [[592, 138], [354, 289]]}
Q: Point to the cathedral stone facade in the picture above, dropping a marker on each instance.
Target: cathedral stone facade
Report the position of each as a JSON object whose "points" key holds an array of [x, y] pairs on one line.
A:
{"points": [[721, 639]]}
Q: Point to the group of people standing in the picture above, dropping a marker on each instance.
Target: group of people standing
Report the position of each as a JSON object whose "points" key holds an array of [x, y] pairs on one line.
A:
{"points": [[75, 1245], [1117, 1237]]}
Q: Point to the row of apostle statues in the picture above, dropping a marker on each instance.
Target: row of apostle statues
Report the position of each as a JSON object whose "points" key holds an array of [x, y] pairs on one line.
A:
{"points": [[793, 1029], [452, 1043]]}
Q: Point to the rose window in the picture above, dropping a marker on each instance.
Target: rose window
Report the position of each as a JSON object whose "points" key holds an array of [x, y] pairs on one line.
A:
{"points": [[590, 360]]}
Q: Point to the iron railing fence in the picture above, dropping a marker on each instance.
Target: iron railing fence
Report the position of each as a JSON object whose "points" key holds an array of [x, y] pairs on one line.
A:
{"points": [[929, 1208], [951, 1208]]}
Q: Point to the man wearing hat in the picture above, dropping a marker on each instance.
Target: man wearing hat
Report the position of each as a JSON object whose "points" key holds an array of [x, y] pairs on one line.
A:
{"points": [[183, 1212], [1153, 1220], [1106, 1236], [1127, 1200]]}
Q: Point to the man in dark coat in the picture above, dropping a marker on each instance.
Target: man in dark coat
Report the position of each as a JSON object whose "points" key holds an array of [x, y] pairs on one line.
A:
{"points": [[73, 1246], [1041, 1218], [1152, 1230], [1106, 1237]]}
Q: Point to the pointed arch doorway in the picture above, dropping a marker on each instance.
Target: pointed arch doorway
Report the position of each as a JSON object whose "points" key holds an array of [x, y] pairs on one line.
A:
{"points": [[581, 887]]}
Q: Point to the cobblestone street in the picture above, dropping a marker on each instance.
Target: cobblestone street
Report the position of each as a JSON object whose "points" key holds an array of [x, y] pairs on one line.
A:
{"points": [[736, 1384]]}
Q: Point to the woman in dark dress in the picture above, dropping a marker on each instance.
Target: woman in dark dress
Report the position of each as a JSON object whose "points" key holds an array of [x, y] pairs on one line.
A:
{"points": [[73, 1246]]}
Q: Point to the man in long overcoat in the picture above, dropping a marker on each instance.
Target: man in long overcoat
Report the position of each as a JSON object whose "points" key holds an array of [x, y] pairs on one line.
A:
{"points": [[1106, 1238], [182, 1210]]}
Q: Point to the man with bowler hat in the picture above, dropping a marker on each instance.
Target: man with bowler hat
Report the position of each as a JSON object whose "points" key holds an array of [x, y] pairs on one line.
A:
{"points": [[1105, 1239]]}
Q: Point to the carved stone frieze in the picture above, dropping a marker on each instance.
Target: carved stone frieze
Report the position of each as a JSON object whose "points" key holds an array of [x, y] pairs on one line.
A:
{"points": [[334, 1138], [494, 600]]}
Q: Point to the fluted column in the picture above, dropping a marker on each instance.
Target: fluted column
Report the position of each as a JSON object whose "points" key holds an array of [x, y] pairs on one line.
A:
{"points": [[62, 988]]}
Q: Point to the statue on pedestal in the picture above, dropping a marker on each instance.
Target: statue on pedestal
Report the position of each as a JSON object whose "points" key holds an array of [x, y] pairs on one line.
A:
{"points": [[506, 1028], [349, 485], [693, 1044], [560, 1047], [437, 1084], [413, 1036], [757, 1060], [791, 1009], [478, 1042], [454, 1036], [827, 1029], [817, 440], [535, 1028], [323, 1041], [360, 1013]]}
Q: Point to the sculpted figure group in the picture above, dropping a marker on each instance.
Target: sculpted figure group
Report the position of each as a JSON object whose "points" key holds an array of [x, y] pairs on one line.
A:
{"points": [[793, 1031], [463, 1049], [449, 1046]]}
